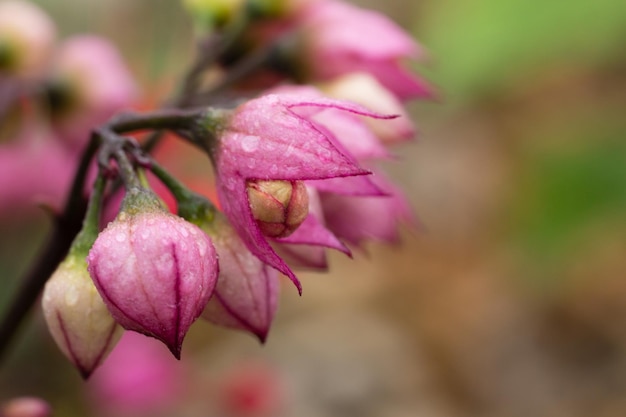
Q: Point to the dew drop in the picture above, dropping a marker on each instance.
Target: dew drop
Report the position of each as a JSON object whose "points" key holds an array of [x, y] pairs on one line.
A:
{"points": [[324, 153], [250, 143]]}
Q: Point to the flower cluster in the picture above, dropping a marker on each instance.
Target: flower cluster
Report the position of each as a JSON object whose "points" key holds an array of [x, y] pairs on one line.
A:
{"points": [[311, 94], [52, 93]]}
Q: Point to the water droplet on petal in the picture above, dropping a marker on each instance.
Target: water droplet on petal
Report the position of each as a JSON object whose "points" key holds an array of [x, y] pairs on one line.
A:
{"points": [[250, 143]]}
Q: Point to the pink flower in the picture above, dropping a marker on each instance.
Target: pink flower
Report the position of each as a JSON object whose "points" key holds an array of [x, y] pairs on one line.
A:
{"points": [[354, 209], [356, 219], [364, 89], [90, 82], [33, 169], [155, 271], [246, 295], [27, 35], [338, 38], [273, 138], [139, 378]]}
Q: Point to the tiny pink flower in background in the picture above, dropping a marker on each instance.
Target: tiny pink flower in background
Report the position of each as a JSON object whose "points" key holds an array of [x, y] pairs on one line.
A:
{"points": [[139, 378], [90, 82], [246, 295], [27, 35], [25, 407], [339, 38], [273, 138], [156, 273], [33, 169]]}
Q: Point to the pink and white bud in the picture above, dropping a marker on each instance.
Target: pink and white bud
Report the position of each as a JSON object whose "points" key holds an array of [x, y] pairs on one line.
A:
{"points": [[77, 318], [278, 207], [156, 273], [364, 89], [27, 35], [25, 407], [246, 295]]}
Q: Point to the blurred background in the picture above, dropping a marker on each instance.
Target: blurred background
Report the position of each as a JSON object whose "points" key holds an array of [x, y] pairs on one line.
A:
{"points": [[511, 299]]}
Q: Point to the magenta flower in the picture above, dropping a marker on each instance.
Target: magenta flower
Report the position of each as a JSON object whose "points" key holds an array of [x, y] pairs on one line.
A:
{"points": [[139, 378], [33, 169], [155, 272], [246, 295], [273, 138], [339, 38], [356, 219]]}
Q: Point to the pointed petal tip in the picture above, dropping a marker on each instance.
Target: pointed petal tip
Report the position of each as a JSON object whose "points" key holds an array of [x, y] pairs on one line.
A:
{"points": [[84, 372]]}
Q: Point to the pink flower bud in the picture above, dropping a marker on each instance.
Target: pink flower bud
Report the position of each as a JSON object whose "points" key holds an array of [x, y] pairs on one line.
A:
{"points": [[26, 38], [246, 295], [77, 317], [25, 407], [278, 207], [156, 273], [338, 38]]}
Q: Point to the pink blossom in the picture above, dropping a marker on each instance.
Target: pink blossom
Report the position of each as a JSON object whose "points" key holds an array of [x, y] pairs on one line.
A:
{"points": [[339, 38], [364, 89], [156, 273], [273, 138], [92, 82], [246, 295], [359, 218], [139, 378], [33, 169]]}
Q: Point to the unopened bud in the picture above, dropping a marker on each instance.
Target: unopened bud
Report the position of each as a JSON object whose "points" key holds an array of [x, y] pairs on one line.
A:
{"points": [[155, 271], [278, 207], [78, 319]]}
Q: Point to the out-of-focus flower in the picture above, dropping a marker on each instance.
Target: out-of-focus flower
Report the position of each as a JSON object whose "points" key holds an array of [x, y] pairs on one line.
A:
{"points": [[364, 89], [356, 219], [88, 84], [335, 38], [273, 138], [155, 271], [26, 38], [25, 407], [246, 295], [251, 390], [139, 378], [33, 169], [77, 317]]}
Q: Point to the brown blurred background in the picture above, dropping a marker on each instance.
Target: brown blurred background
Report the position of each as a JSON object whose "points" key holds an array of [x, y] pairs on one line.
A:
{"points": [[511, 300]]}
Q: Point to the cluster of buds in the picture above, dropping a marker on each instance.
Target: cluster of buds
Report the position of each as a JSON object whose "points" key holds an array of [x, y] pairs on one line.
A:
{"points": [[52, 93], [311, 94]]}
